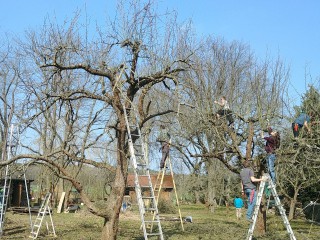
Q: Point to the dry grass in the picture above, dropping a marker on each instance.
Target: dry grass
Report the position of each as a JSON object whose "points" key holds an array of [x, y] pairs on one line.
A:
{"points": [[219, 226]]}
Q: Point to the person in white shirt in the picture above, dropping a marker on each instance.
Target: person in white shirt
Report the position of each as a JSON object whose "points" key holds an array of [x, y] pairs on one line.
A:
{"points": [[225, 110]]}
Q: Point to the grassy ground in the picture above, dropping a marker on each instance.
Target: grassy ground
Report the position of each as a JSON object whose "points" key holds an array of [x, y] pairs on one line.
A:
{"points": [[219, 226]]}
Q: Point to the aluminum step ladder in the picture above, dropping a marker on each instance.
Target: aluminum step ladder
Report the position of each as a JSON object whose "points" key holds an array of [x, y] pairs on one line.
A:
{"points": [[147, 203], [282, 211], [4, 196], [43, 211]]}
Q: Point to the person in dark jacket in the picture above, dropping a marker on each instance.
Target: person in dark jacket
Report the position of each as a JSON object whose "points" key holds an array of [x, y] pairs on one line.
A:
{"points": [[164, 139], [272, 143]]}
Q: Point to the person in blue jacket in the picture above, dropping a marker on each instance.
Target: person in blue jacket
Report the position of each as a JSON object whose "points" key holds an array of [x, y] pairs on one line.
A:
{"points": [[238, 203], [301, 121]]}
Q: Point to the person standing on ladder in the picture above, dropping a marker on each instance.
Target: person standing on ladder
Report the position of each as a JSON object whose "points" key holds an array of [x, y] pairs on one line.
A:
{"points": [[248, 187], [272, 143], [164, 139]]}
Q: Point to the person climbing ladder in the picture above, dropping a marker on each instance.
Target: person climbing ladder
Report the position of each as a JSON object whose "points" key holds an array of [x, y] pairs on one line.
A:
{"points": [[164, 139], [272, 143]]}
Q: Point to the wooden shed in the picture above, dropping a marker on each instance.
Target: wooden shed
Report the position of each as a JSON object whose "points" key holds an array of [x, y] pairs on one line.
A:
{"points": [[18, 193], [19, 185], [166, 189]]}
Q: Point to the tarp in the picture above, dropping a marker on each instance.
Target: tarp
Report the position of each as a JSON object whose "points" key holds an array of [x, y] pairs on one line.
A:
{"points": [[312, 212]]}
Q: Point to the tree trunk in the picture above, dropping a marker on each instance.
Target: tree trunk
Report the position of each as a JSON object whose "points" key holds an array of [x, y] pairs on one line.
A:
{"points": [[111, 224], [262, 218], [212, 202], [110, 229], [197, 196], [114, 202], [293, 202], [250, 140]]}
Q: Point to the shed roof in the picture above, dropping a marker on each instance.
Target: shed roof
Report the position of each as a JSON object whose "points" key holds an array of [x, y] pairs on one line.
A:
{"points": [[167, 180]]}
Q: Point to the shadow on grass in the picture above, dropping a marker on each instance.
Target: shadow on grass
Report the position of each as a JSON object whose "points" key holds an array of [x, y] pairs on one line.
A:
{"points": [[14, 230]]}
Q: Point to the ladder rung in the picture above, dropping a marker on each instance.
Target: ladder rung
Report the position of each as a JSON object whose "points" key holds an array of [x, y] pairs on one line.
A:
{"points": [[147, 197], [150, 209], [153, 234], [151, 221], [141, 164]]}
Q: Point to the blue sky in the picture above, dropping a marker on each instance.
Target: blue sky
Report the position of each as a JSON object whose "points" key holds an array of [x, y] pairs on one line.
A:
{"points": [[285, 28]]}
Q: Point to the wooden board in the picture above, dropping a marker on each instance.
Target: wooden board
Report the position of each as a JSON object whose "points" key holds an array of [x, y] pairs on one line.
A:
{"points": [[63, 194]]}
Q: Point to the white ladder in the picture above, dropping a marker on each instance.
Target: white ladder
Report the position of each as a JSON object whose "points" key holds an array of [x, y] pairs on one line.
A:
{"points": [[43, 211], [147, 204], [5, 190], [278, 205]]}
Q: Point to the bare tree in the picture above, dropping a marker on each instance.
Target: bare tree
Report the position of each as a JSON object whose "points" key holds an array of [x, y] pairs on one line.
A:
{"points": [[9, 85], [299, 161], [81, 86], [254, 90]]}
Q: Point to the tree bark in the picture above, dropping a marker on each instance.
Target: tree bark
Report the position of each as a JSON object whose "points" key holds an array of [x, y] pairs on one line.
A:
{"points": [[262, 218], [111, 222], [293, 202], [212, 202]]}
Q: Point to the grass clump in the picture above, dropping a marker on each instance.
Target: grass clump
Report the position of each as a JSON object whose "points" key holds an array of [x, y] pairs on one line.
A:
{"points": [[165, 206]]}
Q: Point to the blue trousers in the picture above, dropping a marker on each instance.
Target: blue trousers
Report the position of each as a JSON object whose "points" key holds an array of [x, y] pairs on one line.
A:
{"points": [[252, 196], [271, 158]]}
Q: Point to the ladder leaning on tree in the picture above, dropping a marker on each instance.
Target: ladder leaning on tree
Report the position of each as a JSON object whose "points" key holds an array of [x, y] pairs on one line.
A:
{"points": [[138, 158], [5, 188], [147, 204], [5, 191], [282, 211]]}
